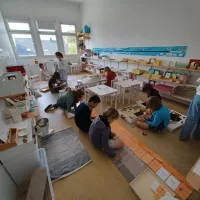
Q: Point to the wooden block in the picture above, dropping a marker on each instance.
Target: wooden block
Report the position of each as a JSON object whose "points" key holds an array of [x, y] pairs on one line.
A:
{"points": [[127, 141], [140, 153], [134, 147], [183, 191], [147, 158], [155, 165], [45, 89]]}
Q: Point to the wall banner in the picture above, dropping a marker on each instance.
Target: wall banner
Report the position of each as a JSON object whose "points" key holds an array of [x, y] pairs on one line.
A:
{"points": [[169, 51]]}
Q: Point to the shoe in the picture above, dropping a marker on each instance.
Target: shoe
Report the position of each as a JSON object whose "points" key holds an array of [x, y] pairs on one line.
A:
{"points": [[69, 115], [48, 108]]}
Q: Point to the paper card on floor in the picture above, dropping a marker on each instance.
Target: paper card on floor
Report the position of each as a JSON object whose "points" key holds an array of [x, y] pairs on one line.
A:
{"points": [[196, 169], [163, 173], [173, 182]]}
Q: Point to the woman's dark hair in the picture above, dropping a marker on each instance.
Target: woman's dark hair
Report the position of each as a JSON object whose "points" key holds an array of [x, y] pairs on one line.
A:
{"points": [[56, 75], [154, 103], [59, 54], [95, 99], [147, 87], [40, 65], [107, 69], [78, 94]]}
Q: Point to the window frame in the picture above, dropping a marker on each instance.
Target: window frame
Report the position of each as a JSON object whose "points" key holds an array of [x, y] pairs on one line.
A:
{"points": [[46, 33], [29, 32], [68, 34]]}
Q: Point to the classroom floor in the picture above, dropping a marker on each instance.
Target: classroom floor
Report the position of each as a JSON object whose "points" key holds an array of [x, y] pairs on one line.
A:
{"points": [[101, 179]]}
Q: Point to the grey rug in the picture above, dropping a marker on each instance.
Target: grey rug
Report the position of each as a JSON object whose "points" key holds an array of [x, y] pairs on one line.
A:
{"points": [[65, 153], [130, 165]]}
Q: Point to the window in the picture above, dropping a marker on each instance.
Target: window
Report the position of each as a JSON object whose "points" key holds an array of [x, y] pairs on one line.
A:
{"points": [[47, 31], [69, 39], [49, 44], [19, 26], [70, 45], [68, 28], [22, 38], [24, 44], [45, 26]]}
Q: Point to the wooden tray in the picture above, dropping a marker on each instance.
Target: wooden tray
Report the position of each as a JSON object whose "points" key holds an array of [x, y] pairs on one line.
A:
{"points": [[12, 140], [142, 185]]}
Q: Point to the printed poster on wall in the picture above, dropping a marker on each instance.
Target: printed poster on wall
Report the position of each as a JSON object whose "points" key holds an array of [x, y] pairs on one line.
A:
{"points": [[169, 51]]}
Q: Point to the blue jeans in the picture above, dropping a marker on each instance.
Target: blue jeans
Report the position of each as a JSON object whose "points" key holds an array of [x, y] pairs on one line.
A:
{"points": [[192, 120]]}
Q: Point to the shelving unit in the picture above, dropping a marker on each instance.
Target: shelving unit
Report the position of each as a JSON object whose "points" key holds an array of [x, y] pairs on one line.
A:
{"points": [[126, 70]]}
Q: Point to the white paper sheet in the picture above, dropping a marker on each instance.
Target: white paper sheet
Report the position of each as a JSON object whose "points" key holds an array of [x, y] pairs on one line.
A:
{"points": [[197, 169], [172, 182], [163, 173]]}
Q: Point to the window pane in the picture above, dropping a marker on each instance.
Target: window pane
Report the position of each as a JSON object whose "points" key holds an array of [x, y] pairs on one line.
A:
{"points": [[68, 28], [49, 44], [70, 44], [45, 26], [19, 26], [24, 44]]}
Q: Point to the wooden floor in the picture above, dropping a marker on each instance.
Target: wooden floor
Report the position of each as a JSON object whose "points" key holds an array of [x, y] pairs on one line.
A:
{"points": [[101, 180]]}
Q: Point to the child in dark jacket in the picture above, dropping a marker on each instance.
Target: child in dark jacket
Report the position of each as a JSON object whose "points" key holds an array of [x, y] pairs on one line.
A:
{"points": [[150, 91], [101, 136], [160, 118], [84, 111]]}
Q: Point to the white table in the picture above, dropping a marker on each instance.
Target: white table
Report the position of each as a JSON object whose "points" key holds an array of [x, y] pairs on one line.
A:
{"points": [[102, 91], [123, 85]]}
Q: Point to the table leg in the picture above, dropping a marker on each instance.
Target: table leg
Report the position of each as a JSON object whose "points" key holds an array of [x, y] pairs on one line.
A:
{"points": [[116, 101], [123, 94], [100, 106]]}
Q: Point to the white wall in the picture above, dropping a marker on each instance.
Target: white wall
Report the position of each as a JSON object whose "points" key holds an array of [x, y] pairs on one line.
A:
{"points": [[5, 46], [64, 12], [133, 23]]}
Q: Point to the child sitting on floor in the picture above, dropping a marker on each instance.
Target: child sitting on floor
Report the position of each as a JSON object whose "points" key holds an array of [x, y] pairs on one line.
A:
{"points": [[84, 111], [160, 118], [45, 76], [101, 136], [56, 84], [150, 91]]}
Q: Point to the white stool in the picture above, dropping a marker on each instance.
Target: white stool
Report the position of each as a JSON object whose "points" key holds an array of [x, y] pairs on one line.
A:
{"points": [[75, 67]]}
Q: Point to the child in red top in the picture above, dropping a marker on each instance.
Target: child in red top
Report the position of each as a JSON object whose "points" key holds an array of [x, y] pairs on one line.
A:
{"points": [[110, 76]]}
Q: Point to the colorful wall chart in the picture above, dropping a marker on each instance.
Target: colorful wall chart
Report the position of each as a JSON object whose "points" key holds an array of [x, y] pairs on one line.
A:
{"points": [[170, 51]]}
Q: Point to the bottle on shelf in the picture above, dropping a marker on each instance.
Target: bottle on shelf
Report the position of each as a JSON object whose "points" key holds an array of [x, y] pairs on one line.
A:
{"points": [[36, 61]]}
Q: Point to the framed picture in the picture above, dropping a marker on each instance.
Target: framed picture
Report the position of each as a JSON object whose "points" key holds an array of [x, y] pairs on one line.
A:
{"points": [[168, 74], [157, 72]]}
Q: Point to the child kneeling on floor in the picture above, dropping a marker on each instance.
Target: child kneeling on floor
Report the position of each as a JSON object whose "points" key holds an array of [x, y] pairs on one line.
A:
{"points": [[101, 136], [159, 119], [67, 100]]}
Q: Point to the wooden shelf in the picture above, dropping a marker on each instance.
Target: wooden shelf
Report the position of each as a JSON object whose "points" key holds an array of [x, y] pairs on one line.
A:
{"points": [[148, 65]]}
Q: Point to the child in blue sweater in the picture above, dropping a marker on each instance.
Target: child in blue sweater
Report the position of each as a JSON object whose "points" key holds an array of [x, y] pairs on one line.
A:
{"points": [[84, 111], [160, 118]]}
